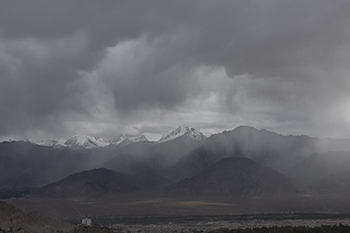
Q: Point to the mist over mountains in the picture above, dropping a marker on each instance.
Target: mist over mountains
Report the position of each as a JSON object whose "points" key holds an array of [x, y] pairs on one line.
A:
{"points": [[244, 162], [236, 176]]}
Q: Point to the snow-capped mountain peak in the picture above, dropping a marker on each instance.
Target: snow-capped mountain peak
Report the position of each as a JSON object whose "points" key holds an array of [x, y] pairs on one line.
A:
{"points": [[130, 139], [82, 141], [79, 141], [152, 137], [190, 132], [53, 142]]}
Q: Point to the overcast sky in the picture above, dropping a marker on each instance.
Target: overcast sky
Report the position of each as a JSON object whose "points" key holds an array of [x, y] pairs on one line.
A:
{"points": [[107, 67]]}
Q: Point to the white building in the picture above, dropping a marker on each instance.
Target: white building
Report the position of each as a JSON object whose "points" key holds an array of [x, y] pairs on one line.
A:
{"points": [[86, 221]]}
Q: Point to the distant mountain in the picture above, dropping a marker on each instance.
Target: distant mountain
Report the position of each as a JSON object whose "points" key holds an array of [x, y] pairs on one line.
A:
{"points": [[191, 164], [324, 172], [180, 155], [160, 154], [139, 138], [244, 162], [184, 130], [53, 142], [337, 182], [79, 141], [125, 140], [144, 137], [89, 184], [17, 178], [263, 146], [82, 141], [136, 171], [236, 177], [23, 164]]}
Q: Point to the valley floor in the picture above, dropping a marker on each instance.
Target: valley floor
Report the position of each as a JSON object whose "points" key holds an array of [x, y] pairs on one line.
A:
{"points": [[155, 204], [207, 225]]}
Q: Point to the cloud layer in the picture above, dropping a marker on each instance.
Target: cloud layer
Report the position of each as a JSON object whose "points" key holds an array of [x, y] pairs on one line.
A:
{"points": [[106, 67]]}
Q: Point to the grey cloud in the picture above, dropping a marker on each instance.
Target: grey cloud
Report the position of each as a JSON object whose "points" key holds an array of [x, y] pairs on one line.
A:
{"points": [[276, 38], [47, 48], [144, 74]]}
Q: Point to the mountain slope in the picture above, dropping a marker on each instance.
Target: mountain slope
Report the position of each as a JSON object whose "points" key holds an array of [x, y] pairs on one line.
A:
{"points": [[236, 177], [337, 182], [88, 184], [265, 147], [323, 171], [27, 165], [136, 171], [160, 155], [193, 163], [183, 130]]}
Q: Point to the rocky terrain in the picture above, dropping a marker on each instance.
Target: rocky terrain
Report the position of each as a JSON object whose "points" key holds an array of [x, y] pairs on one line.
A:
{"points": [[93, 228], [28, 222]]}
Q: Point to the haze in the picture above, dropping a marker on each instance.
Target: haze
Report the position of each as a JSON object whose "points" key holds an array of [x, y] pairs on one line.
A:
{"points": [[109, 67]]}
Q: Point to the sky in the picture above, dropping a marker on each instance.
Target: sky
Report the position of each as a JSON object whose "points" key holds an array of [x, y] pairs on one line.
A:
{"points": [[109, 67]]}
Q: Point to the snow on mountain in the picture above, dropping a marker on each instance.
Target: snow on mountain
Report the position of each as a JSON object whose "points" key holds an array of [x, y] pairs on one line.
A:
{"points": [[53, 142], [117, 141], [190, 132], [139, 138], [152, 137], [82, 141], [79, 141], [130, 139], [145, 137]]}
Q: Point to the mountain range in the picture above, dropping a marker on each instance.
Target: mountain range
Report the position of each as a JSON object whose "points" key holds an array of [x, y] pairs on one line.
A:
{"points": [[183, 153], [82, 141], [241, 163]]}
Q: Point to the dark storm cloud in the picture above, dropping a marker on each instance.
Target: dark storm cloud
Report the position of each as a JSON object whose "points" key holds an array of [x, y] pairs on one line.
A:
{"points": [[146, 54]]}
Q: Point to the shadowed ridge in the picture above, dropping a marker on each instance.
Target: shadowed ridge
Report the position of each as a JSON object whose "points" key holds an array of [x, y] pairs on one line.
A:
{"points": [[136, 171], [196, 161], [89, 184], [263, 146], [236, 177], [24, 164], [324, 172]]}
